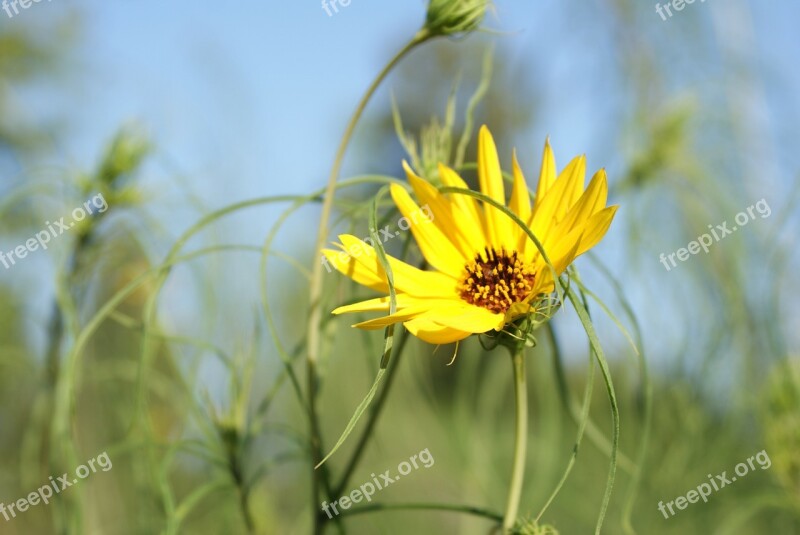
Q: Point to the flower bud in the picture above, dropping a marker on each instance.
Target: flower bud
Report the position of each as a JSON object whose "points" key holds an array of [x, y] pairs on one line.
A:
{"points": [[449, 17]]}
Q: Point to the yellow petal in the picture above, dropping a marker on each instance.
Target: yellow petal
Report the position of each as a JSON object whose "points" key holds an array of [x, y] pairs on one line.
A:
{"points": [[466, 317], [358, 261], [547, 175], [385, 321], [419, 309], [558, 247], [408, 279], [436, 247], [379, 304], [555, 204], [490, 177], [451, 179], [348, 266], [575, 174], [457, 225], [489, 173], [602, 194], [520, 202], [433, 333], [592, 201], [563, 249], [561, 258], [467, 204], [596, 228]]}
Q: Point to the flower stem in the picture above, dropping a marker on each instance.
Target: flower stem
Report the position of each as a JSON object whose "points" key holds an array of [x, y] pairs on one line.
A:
{"points": [[520, 441], [315, 291], [455, 508]]}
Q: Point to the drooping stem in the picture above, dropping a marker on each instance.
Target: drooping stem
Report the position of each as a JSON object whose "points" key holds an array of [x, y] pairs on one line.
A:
{"points": [[520, 441], [373, 419], [315, 291]]}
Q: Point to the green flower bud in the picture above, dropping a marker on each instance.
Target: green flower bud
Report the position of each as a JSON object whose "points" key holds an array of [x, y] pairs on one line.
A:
{"points": [[448, 17], [529, 527]]}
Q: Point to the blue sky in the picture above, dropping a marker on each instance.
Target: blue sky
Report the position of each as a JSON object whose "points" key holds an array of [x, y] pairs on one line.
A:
{"points": [[249, 99], [255, 96]]}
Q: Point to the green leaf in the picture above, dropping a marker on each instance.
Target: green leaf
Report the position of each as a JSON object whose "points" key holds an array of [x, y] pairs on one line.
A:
{"points": [[388, 335], [646, 385], [586, 321]]}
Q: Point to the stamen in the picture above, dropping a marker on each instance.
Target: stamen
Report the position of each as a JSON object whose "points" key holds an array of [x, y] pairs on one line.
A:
{"points": [[496, 280]]}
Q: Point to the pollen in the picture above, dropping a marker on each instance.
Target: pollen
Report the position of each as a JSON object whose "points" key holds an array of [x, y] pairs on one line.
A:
{"points": [[496, 280]]}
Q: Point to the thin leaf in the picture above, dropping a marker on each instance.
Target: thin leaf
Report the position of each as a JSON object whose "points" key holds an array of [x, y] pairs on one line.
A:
{"points": [[586, 321], [582, 423], [646, 385], [388, 336]]}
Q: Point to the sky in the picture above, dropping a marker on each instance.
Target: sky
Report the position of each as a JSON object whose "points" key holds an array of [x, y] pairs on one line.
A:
{"points": [[249, 99]]}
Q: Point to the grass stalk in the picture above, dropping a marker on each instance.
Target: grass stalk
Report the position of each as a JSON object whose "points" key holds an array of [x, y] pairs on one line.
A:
{"points": [[315, 291]]}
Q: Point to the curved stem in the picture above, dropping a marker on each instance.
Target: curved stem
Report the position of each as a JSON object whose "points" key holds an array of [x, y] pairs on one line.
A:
{"points": [[315, 291], [520, 442]]}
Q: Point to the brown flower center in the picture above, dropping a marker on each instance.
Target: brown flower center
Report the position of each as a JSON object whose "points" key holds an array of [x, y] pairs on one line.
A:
{"points": [[496, 280]]}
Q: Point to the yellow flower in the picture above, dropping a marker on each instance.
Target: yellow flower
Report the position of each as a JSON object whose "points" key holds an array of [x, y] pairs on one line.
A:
{"points": [[487, 271]]}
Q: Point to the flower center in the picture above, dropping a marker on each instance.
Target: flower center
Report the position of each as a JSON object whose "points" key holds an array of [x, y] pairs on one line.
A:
{"points": [[496, 280]]}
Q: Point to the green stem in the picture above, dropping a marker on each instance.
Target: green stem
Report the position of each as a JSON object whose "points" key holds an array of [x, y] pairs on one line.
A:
{"points": [[520, 442], [466, 509], [315, 291]]}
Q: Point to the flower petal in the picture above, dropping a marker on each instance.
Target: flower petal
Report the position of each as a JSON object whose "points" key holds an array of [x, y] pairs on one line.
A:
{"points": [[561, 257], [385, 321], [467, 204], [592, 201], [553, 207], [490, 177], [358, 261], [433, 333], [575, 174], [547, 175], [520, 202], [596, 227], [379, 304], [458, 226], [436, 247], [465, 317]]}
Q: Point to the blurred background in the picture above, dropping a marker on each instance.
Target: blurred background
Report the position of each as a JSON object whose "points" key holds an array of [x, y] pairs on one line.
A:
{"points": [[170, 360]]}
